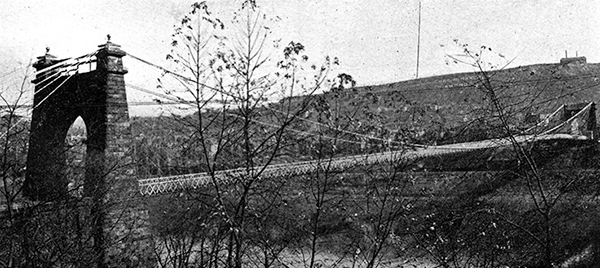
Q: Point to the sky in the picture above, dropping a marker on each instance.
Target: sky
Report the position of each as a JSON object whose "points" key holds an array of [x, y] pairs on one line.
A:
{"points": [[376, 40]]}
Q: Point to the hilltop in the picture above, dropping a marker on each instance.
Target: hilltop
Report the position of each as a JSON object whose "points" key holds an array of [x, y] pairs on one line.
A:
{"points": [[438, 108]]}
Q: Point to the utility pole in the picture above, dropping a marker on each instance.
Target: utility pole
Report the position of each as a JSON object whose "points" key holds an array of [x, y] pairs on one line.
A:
{"points": [[418, 40]]}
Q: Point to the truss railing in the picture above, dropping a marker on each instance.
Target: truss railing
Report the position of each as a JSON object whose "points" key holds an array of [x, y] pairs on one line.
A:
{"points": [[200, 180]]}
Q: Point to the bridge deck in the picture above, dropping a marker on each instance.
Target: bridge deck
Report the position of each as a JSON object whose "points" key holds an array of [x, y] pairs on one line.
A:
{"points": [[192, 181]]}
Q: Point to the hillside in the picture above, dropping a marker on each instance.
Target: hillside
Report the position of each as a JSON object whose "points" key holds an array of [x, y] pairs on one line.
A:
{"points": [[439, 108], [434, 110]]}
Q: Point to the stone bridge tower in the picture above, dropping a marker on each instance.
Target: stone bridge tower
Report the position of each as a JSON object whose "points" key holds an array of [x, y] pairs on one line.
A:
{"points": [[115, 217]]}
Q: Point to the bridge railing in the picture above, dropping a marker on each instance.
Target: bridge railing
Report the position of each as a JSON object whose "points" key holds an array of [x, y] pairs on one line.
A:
{"points": [[579, 126], [199, 180]]}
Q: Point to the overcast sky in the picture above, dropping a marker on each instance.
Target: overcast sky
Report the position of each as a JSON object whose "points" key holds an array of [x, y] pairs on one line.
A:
{"points": [[375, 40]]}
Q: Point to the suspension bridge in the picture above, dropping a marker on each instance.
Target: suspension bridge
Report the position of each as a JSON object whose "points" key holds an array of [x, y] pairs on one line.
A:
{"points": [[93, 87], [579, 125]]}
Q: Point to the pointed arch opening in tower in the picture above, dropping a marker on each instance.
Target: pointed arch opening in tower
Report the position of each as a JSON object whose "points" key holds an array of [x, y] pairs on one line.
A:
{"points": [[76, 147]]}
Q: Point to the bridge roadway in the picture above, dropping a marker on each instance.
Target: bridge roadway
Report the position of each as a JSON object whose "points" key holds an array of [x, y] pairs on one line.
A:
{"points": [[159, 185]]}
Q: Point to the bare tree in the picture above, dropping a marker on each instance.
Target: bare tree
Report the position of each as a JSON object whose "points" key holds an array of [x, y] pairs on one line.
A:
{"points": [[234, 82], [14, 149], [528, 218]]}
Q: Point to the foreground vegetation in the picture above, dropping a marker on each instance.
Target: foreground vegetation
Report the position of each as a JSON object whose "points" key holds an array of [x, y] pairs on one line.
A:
{"points": [[529, 205]]}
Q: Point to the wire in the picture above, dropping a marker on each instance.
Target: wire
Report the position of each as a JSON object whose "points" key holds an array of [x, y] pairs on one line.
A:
{"points": [[51, 67], [151, 103], [12, 72], [45, 98], [132, 103], [303, 119], [52, 92], [581, 112], [178, 100], [238, 116], [275, 110], [67, 62], [36, 106], [181, 76], [57, 74], [341, 130], [376, 91], [63, 71]]}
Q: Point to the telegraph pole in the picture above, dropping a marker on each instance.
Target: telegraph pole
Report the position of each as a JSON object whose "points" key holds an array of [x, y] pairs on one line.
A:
{"points": [[418, 40]]}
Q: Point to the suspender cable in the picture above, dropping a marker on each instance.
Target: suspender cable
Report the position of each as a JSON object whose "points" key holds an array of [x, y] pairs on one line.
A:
{"points": [[235, 115], [44, 99], [229, 94], [34, 107], [57, 74]]}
